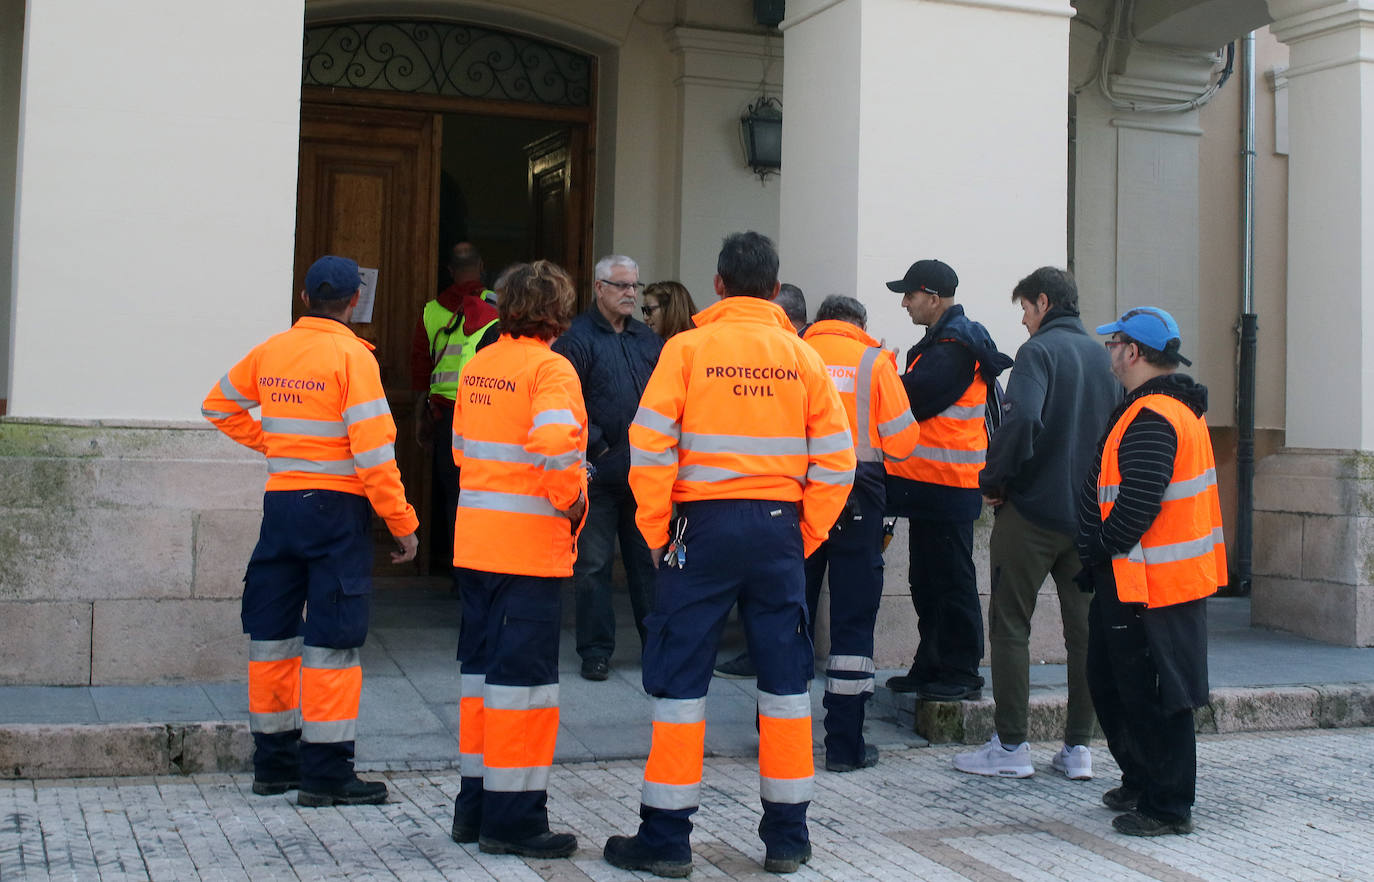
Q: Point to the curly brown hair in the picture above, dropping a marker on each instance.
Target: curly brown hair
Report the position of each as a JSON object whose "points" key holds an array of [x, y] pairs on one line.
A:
{"points": [[535, 300], [676, 303]]}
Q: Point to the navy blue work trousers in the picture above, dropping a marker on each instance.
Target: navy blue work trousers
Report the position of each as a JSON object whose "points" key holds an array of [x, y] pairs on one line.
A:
{"points": [[944, 590]]}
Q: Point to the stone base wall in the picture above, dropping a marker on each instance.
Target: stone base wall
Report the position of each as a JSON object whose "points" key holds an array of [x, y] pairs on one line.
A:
{"points": [[122, 550], [1314, 545]]}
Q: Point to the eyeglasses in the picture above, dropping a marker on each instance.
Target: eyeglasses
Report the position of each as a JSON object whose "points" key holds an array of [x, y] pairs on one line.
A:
{"points": [[1110, 343], [624, 286], [649, 309]]}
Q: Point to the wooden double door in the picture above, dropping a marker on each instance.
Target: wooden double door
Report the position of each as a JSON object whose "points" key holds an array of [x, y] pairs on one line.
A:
{"points": [[368, 189]]}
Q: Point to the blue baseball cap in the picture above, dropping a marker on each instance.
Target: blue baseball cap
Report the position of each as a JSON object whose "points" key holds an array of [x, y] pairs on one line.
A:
{"points": [[332, 278], [1151, 326]]}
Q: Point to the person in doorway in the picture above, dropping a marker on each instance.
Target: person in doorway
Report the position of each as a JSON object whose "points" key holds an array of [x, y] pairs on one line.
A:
{"points": [[520, 438], [948, 375], [613, 354], [1149, 537], [452, 328], [329, 439], [880, 419], [741, 429], [1060, 395], [668, 308]]}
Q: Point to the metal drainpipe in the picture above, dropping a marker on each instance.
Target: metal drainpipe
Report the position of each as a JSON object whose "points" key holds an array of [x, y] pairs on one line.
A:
{"points": [[1248, 331]]}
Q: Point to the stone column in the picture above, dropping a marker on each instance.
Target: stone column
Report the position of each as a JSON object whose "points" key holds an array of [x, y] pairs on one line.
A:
{"points": [[1314, 499], [901, 141]]}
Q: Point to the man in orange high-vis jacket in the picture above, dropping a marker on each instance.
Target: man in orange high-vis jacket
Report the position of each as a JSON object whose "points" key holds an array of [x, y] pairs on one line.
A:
{"points": [[329, 440], [520, 443], [884, 430], [948, 375], [1149, 535], [741, 429]]}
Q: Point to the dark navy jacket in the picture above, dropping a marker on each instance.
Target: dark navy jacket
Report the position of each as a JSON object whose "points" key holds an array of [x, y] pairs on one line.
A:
{"points": [[613, 369]]}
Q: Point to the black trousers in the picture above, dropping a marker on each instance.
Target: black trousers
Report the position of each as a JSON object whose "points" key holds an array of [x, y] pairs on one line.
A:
{"points": [[944, 590], [1156, 749]]}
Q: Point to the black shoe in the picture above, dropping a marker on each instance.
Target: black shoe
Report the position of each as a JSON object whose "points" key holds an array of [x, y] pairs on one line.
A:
{"points": [[789, 863], [741, 667], [275, 788], [1137, 824], [355, 792], [948, 692], [463, 833], [544, 845], [870, 759], [598, 667], [1121, 799], [907, 682], [628, 853]]}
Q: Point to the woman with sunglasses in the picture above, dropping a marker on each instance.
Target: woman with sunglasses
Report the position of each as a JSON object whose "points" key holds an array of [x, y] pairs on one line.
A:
{"points": [[668, 308]]}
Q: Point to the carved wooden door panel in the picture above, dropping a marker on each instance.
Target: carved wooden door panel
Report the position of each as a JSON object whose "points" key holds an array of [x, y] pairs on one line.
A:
{"points": [[558, 217]]}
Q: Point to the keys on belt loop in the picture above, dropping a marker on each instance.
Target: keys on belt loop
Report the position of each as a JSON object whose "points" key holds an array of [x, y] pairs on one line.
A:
{"points": [[676, 555]]}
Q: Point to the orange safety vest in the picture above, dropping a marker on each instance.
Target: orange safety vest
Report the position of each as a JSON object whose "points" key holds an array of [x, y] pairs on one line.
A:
{"points": [[1182, 556], [325, 423], [520, 438], [740, 408], [874, 399], [954, 442]]}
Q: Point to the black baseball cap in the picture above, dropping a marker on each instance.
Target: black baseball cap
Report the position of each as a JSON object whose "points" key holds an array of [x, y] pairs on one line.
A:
{"points": [[930, 276]]}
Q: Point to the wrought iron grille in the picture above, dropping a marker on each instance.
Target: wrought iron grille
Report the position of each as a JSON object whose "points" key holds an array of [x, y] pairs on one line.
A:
{"points": [[438, 58]]}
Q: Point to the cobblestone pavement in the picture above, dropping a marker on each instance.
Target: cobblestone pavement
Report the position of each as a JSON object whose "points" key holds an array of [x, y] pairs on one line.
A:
{"points": [[1292, 806]]}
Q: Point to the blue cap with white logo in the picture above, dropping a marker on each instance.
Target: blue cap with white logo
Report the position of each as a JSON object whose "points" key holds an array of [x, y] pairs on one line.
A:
{"points": [[1151, 326], [332, 278]]}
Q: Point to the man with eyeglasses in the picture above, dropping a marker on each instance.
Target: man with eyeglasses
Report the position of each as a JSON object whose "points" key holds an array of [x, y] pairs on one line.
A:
{"points": [[1149, 536], [613, 353]]}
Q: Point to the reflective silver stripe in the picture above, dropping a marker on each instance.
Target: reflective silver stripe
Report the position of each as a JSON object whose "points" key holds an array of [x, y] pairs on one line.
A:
{"points": [[227, 389], [896, 425], [1108, 493], [679, 710], [457, 442], [365, 410], [641, 457], [555, 418], [712, 474], [958, 412], [787, 790], [519, 503], [670, 796], [497, 451], [746, 445], [945, 454], [367, 459], [313, 428], [822, 475], [652, 419], [844, 382], [437, 379], [278, 464], [470, 685], [836, 442], [278, 721], [451, 349], [861, 663], [329, 731], [864, 451], [275, 650], [216, 414], [520, 779], [1174, 552], [784, 707], [470, 765], [836, 686], [1190, 486], [520, 697], [330, 659]]}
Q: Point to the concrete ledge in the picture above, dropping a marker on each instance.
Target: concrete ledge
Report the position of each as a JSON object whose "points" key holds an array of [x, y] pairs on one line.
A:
{"points": [[71, 751]]}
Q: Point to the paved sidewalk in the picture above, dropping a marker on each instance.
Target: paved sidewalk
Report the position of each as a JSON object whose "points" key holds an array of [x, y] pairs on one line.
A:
{"points": [[1276, 806]]}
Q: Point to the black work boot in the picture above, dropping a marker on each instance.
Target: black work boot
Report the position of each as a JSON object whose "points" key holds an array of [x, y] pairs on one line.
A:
{"points": [[1137, 823], [464, 831], [629, 853], [870, 758], [1121, 799], [276, 786], [541, 845], [787, 863], [354, 792], [904, 682]]}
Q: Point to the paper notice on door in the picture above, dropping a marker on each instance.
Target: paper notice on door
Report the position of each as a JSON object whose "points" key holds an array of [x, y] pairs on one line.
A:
{"points": [[362, 315]]}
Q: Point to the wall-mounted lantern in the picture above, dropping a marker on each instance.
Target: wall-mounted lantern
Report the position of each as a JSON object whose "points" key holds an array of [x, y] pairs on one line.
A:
{"points": [[761, 126]]}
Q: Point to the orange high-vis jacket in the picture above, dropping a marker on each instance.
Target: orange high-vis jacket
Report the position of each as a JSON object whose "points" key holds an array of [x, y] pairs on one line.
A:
{"points": [[740, 408], [874, 399], [1182, 556], [325, 423], [954, 442], [520, 438]]}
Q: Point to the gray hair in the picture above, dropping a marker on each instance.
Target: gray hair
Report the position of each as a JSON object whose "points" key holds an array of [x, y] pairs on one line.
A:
{"points": [[838, 307], [609, 262]]}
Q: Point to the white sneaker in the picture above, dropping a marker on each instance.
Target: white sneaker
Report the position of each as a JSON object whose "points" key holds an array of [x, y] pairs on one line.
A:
{"points": [[1075, 762], [994, 759]]}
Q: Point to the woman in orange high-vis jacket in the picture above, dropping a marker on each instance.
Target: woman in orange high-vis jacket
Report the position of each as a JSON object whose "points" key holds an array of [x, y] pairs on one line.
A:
{"points": [[520, 440], [329, 440], [1151, 543]]}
